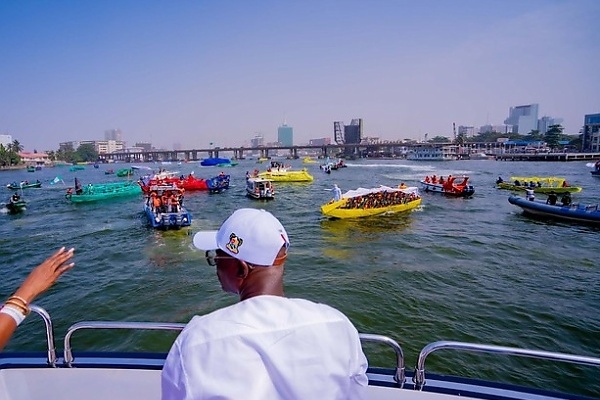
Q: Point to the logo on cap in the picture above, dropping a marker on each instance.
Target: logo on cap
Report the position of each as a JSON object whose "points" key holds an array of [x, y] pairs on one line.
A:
{"points": [[234, 243]]}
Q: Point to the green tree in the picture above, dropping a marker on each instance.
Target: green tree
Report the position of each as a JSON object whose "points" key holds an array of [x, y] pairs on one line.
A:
{"points": [[87, 152], [16, 146], [534, 135], [439, 139], [553, 135]]}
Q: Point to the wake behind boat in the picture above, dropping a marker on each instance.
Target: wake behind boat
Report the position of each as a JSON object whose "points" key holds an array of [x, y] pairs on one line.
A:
{"points": [[375, 201], [75, 373], [588, 214]]}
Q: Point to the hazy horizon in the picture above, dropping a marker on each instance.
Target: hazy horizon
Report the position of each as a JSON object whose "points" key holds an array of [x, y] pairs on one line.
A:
{"points": [[209, 71]]}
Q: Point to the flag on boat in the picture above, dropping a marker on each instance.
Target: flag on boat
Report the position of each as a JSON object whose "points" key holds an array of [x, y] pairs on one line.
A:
{"points": [[56, 180]]}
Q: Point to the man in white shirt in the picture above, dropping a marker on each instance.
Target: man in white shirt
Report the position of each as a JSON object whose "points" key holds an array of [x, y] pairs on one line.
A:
{"points": [[337, 192], [266, 346]]}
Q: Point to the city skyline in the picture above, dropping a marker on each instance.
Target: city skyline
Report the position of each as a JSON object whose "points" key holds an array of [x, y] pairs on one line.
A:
{"points": [[196, 73]]}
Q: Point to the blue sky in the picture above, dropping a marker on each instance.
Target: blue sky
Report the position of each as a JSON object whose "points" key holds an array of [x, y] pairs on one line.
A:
{"points": [[195, 72]]}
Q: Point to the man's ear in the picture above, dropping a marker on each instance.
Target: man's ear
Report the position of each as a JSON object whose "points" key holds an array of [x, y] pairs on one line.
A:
{"points": [[243, 269]]}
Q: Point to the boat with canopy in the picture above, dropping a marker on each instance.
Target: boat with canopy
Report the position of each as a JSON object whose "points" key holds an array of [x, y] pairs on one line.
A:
{"points": [[364, 202]]}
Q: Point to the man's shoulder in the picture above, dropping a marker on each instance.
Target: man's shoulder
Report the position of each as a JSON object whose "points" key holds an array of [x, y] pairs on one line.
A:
{"points": [[262, 314]]}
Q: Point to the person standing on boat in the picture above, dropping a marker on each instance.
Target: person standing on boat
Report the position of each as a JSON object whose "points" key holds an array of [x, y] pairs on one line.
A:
{"points": [[529, 194], [16, 307], [266, 346], [552, 198], [337, 192]]}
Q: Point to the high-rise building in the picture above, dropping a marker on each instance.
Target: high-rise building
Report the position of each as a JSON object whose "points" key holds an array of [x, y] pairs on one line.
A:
{"points": [[590, 140], [524, 119], [546, 122], [257, 141], [285, 135], [467, 131], [112, 134], [496, 128], [144, 145]]}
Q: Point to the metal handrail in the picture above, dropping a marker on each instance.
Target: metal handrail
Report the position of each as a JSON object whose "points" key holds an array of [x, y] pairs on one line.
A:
{"points": [[400, 370], [51, 351], [419, 376], [399, 376], [113, 325]]}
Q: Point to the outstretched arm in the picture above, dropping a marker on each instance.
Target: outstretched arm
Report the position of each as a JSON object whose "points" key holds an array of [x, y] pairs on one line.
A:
{"points": [[16, 307]]}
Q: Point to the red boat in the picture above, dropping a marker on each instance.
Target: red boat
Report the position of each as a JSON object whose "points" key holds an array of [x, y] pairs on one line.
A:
{"points": [[189, 183], [449, 187]]}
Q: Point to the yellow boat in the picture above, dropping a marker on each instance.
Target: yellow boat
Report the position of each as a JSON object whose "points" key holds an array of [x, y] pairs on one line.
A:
{"points": [[543, 185], [286, 175], [369, 202], [308, 160]]}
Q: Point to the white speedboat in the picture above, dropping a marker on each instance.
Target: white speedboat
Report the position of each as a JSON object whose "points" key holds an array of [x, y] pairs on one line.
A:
{"points": [[260, 188], [75, 374]]}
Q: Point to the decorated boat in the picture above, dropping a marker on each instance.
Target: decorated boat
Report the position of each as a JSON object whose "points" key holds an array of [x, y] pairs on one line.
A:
{"points": [[260, 188], [102, 191], [189, 183], [538, 184], [581, 213], [24, 185], [131, 374], [448, 186], [364, 202], [280, 173], [163, 207], [218, 184]]}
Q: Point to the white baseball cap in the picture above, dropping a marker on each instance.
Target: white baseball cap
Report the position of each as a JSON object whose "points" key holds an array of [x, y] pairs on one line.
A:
{"points": [[249, 234]]}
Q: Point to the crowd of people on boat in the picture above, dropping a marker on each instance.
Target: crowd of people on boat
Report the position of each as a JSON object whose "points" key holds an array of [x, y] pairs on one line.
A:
{"points": [[380, 199], [167, 200], [530, 184]]}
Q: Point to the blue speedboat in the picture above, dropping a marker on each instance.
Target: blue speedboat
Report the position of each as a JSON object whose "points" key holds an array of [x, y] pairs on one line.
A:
{"points": [[211, 162], [218, 184], [580, 213], [164, 209]]}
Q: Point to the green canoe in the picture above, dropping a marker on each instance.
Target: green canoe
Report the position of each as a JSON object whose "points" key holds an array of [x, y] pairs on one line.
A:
{"points": [[104, 191]]}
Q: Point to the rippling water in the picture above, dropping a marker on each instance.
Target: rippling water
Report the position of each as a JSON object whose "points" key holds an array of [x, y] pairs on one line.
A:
{"points": [[472, 269]]}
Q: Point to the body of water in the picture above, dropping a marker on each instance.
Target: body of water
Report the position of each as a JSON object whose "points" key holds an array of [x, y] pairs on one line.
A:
{"points": [[473, 269]]}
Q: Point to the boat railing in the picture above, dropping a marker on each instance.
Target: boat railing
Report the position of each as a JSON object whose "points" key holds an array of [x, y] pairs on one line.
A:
{"points": [[419, 375], [399, 375]]}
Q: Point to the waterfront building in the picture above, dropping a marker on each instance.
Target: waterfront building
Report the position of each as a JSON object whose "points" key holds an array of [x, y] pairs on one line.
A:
{"points": [[523, 119], [285, 135], [113, 134], [31, 158], [431, 152], [350, 134], [5, 140], [466, 131], [590, 141], [101, 146]]}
